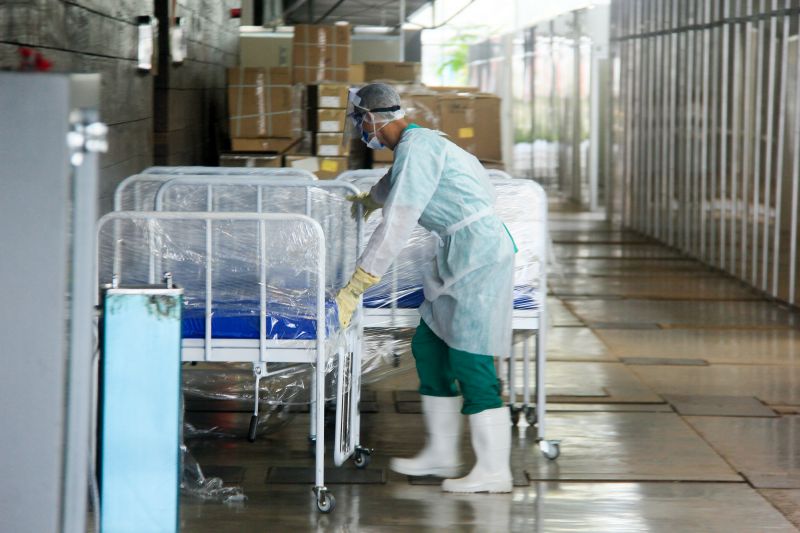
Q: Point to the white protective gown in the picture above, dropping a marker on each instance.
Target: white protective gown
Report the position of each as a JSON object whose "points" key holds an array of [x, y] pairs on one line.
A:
{"points": [[469, 283]]}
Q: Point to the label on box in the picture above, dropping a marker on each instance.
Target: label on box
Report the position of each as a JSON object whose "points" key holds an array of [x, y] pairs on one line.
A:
{"points": [[329, 165], [330, 101], [466, 133], [328, 150], [329, 125]]}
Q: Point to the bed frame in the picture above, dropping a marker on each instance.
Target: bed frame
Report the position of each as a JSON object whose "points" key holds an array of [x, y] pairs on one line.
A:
{"points": [[262, 351]]}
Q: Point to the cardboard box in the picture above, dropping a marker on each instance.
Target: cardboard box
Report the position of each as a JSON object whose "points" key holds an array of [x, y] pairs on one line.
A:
{"points": [[487, 137], [250, 160], [262, 103], [377, 164], [356, 74], [274, 145], [422, 109], [457, 119], [321, 53], [331, 145], [452, 89], [265, 51], [383, 156], [325, 168], [328, 95], [330, 120], [404, 72]]}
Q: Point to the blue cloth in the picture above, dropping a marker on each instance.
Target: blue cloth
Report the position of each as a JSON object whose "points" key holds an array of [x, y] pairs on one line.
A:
{"points": [[468, 286]]}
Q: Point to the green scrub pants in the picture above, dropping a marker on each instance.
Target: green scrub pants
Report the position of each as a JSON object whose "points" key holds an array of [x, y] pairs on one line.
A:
{"points": [[439, 368]]}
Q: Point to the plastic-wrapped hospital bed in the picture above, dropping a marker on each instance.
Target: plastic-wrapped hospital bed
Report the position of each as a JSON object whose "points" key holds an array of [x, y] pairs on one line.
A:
{"points": [[255, 291], [324, 201], [393, 303]]}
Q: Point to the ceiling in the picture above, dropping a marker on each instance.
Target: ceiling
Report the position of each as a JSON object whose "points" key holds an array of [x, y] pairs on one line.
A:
{"points": [[356, 12]]}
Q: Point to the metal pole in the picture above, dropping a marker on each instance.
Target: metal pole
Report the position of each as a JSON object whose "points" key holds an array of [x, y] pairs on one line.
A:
{"points": [[402, 34], [757, 157], [715, 136], [747, 139], [703, 175], [685, 201], [780, 149], [795, 193], [735, 140], [768, 176], [673, 128]]}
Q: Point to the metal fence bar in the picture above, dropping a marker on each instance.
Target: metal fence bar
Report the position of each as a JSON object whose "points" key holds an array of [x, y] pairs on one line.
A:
{"points": [[768, 176]]}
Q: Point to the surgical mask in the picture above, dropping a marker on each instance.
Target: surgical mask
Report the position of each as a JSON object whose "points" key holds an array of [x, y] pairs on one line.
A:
{"points": [[372, 140]]}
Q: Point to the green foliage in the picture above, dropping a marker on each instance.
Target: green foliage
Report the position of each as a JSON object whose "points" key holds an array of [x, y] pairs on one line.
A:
{"points": [[457, 54]]}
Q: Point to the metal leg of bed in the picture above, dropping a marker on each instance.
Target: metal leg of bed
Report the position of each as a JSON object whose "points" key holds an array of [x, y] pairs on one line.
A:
{"points": [[259, 371], [551, 449], [512, 387], [325, 500], [361, 454]]}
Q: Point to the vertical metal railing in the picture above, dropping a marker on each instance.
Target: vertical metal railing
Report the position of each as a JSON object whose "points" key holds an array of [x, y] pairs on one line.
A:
{"points": [[707, 132]]}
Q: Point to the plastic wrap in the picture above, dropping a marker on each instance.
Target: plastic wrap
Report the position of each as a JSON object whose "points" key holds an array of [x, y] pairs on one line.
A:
{"points": [[196, 484], [137, 192], [226, 255]]}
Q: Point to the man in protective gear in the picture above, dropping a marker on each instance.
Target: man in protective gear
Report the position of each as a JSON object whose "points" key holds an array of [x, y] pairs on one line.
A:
{"points": [[468, 288]]}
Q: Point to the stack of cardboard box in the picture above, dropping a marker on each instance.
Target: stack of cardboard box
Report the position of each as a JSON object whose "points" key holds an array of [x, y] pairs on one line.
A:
{"points": [[326, 109], [321, 53], [263, 107]]}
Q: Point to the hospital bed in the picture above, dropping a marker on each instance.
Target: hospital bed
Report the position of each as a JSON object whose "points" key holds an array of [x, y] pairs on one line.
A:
{"points": [[324, 201], [393, 303], [254, 292]]}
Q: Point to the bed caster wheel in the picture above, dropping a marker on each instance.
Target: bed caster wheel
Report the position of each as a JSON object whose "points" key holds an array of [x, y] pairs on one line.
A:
{"points": [[325, 501], [551, 449], [530, 416], [251, 432], [515, 412], [362, 457]]}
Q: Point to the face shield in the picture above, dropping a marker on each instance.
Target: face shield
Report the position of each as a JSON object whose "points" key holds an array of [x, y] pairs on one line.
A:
{"points": [[363, 123]]}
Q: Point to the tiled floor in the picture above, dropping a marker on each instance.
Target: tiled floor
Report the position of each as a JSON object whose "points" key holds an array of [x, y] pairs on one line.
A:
{"points": [[627, 317]]}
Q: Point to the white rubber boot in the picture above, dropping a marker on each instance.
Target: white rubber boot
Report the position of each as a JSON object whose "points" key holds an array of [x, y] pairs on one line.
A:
{"points": [[441, 455], [491, 440]]}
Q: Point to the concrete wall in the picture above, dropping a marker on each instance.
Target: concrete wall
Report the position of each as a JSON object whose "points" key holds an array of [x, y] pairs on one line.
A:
{"points": [[101, 36], [190, 98]]}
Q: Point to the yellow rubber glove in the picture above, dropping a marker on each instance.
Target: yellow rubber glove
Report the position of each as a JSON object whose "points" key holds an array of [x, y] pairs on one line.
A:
{"points": [[347, 299], [364, 198]]}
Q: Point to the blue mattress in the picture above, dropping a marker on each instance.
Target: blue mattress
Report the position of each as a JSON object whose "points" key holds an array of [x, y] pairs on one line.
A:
{"points": [[412, 297], [239, 320]]}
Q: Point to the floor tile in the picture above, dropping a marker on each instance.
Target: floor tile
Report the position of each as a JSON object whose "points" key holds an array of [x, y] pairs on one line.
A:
{"points": [[575, 344], [701, 405], [684, 313], [786, 501], [687, 288], [757, 447], [715, 346], [774, 385], [626, 446]]}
